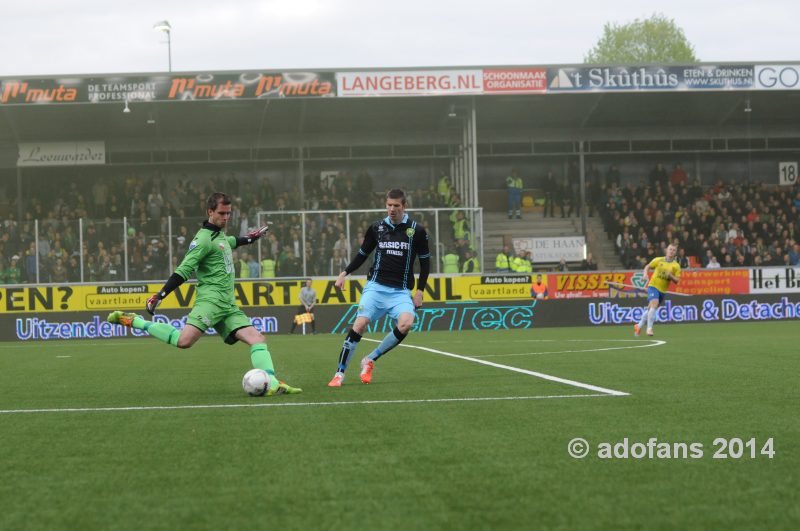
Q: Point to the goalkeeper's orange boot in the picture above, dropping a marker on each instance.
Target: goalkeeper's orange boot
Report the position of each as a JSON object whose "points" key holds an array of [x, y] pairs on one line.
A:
{"points": [[366, 370], [337, 380], [636, 330], [120, 317]]}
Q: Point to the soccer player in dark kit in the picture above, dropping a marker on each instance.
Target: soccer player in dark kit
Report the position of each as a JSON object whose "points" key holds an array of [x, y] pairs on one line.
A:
{"points": [[397, 241]]}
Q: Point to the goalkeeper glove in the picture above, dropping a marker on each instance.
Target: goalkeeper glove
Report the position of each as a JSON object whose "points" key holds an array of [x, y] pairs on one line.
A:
{"points": [[152, 303], [256, 234]]}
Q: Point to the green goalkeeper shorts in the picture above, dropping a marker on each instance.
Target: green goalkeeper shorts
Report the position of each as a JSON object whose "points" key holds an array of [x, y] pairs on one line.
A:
{"points": [[225, 320]]}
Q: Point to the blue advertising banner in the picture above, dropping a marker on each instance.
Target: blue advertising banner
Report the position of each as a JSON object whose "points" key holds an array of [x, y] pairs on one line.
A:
{"points": [[650, 78]]}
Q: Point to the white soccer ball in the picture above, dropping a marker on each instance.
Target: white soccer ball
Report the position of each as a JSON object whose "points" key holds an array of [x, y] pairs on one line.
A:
{"points": [[256, 382]]}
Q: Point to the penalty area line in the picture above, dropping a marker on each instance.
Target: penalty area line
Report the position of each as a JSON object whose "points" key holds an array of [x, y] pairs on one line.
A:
{"points": [[293, 404], [541, 375]]}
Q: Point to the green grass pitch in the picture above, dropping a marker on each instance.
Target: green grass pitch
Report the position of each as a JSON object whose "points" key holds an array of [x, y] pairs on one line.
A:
{"points": [[416, 449]]}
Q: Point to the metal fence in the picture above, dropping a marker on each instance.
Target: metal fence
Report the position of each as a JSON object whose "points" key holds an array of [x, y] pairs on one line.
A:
{"points": [[300, 243]]}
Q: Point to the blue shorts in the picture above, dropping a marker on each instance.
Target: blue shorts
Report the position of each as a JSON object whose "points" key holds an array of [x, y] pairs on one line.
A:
{"points": [[653, 294], [377, 300]]}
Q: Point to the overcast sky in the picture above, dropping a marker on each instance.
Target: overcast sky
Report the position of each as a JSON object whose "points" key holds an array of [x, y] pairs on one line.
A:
{"points": [[44, 37]]}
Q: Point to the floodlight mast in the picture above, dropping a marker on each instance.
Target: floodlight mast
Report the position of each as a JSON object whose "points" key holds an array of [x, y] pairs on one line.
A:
{"points": [[164, 26]]}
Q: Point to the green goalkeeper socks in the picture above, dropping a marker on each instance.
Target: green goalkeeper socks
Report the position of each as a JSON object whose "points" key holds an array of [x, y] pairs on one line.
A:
{"points": [[166, 333], [261, 358]]}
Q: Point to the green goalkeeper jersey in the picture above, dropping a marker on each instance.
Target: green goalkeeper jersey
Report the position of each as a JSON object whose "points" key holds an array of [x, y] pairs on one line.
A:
{"points": [[210, 257]]}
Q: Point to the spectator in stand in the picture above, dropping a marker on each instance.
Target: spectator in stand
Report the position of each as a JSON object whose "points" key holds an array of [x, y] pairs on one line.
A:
{"points": [[588, 263], [267, 266], [59, 272], [612, 177], [562, 266], [30, 263], [502, 262], [253, 269], [514, 188], [461, 248], [450, 261], [658, 176], [794, 254], [559, 196], [678, 175], [342, 245], [548, 189], [471, 264], [292, 266], [461, 228], [339, 261], [12, 274], [683, 260], [73, 269], [707, 258], [444, 188]]}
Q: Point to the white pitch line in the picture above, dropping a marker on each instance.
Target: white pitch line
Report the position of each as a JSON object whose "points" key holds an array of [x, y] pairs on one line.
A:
{"points": [[517, 369], [290, 404], [654, 343]]}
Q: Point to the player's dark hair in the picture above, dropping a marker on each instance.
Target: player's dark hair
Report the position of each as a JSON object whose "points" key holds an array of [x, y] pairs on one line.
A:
{"points": [[216, 199], [396, 193]]}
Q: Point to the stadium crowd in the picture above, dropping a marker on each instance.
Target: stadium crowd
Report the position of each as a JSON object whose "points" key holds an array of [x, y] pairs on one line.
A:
{"points": [[734, 224], [147, 204]]}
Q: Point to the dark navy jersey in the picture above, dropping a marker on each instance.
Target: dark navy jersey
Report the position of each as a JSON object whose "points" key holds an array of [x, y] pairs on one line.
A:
{"points": [[396, 247]]}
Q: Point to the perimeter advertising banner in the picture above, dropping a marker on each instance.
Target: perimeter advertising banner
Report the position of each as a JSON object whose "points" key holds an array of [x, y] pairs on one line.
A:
{"points": [[417, 82], [249, 294], [693, 282], [650, 78], [441, 288], [442, 82], [410, 83], [552, 250], [61, 153], [775, 280], [514, 80], [777, 77], [436, 316], [168, 87]]}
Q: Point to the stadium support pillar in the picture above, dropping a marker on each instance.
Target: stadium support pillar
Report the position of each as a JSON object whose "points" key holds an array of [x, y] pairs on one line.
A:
{"points": [[473, 157], [19, 195], [301, 170], [582, 161], [464, 165]]}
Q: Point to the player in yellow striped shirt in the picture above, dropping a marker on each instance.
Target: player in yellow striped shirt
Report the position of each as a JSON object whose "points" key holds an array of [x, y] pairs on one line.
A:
{"points": [[665, 270]]}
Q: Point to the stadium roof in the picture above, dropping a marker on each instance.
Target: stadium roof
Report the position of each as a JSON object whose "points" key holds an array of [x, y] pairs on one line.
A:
{"points": [[555, 113]]}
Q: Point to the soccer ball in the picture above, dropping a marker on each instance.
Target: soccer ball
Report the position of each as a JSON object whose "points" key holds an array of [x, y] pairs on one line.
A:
{"points": [[256, 382]]}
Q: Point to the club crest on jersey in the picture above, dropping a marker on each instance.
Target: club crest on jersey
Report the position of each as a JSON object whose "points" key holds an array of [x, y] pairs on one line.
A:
{"points": [[193, 245], [410, 232], [381, 228], [222, 246]]}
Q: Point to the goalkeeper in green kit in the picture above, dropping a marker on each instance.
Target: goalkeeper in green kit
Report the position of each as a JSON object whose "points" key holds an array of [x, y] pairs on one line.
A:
{"points": [[209, 255]]}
